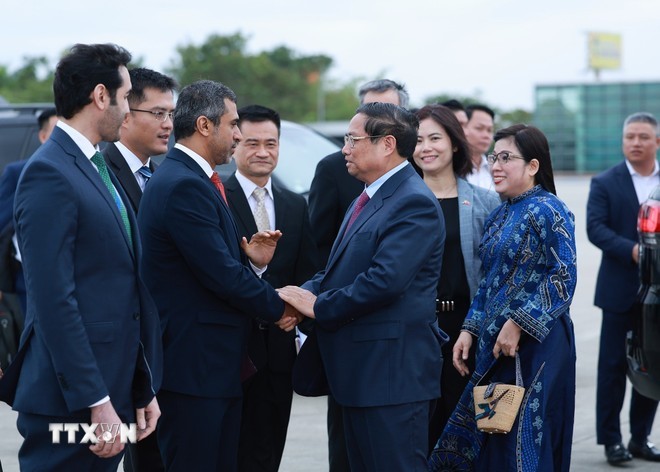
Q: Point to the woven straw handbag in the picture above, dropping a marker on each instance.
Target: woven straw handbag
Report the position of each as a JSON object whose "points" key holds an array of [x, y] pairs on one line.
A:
{"points": [[496, 405]]}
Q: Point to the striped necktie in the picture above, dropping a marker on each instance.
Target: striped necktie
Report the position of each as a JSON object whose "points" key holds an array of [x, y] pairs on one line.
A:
{"points": [[99, 162], [146, 173]]}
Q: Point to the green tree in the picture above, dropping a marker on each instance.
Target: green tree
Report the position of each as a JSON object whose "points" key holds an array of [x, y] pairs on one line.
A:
{"points": [[279, 78], [32, 82]]}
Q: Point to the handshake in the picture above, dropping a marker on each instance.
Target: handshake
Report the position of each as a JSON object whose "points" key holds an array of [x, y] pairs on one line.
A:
{"points": [[299, 303]]}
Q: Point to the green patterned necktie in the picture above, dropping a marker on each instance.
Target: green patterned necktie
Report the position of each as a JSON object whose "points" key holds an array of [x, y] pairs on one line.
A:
{"points": [[99, 162]]}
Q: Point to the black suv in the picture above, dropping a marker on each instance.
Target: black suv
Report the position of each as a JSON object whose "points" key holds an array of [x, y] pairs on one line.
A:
{"points": [[643, 342], [19, 131]]}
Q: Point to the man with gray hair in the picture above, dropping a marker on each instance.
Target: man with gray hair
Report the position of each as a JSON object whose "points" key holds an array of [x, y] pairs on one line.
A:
{"points": [[612, 209], [204, 279], [331, 193]]}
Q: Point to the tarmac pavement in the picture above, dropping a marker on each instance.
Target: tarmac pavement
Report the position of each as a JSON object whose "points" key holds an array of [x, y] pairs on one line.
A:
{"points": [[306, 448]]}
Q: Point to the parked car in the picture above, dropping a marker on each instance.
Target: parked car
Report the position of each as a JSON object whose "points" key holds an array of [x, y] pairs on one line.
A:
{"points": [[643, 342], [300, 147], [19, 131]]}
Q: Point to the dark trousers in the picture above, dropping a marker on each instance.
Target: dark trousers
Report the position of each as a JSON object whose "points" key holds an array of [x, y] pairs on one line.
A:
{"points": [[388, 438], [144, 456], [611, 386], [337, 454], [197, 433], [38, 453], [267, 398]]}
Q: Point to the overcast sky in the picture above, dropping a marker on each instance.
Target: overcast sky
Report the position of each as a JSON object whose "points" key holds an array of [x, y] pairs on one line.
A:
{"points": [[497, 50]]}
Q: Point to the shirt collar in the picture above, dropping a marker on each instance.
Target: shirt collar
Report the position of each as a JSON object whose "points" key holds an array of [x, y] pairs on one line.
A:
{"points": [[201, 162], [248, 186], [633, 172], [134, 162], [373, 188], [85, 145]]}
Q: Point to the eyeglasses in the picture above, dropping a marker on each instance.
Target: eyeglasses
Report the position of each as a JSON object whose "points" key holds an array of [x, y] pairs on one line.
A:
{"points": [[350, 140], [159, 115], [503, 157]]}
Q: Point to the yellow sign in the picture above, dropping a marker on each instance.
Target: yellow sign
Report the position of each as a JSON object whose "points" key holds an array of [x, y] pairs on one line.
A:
{"points": [[604, 51]]}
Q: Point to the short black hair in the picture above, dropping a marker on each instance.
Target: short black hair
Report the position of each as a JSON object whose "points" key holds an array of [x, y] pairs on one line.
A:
{"points": [[453, 105], [257, 114], [479, 107], [81, 70], [142, 78], [201, 98], [44, 116], [387, 119]]}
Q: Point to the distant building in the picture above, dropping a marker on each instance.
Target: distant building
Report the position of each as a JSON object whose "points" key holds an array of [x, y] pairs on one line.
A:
{"points": [[584, 122]]}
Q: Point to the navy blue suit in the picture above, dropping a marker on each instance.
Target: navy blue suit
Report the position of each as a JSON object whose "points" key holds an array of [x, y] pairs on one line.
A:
{"points": [[8, 183], [376, 322], [91, 326], [206, 297], [612, 226]]}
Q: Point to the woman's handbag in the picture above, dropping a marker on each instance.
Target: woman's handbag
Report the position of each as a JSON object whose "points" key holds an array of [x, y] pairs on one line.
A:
{"points": [[496, 405]]}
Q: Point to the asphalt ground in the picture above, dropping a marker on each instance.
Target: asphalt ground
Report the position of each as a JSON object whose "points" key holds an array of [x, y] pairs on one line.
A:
{"points": [[306, 448]]}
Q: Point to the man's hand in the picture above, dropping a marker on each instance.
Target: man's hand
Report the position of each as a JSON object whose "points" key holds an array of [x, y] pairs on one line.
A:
{"points": [[261, 247], [290, 318], [508, 340], [105, 414], [147, 418], [461, 351], [301, 299]]}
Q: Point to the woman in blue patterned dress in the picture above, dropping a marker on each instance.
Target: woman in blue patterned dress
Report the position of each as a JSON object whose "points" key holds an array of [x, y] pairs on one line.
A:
{"points": [[528, 256]]}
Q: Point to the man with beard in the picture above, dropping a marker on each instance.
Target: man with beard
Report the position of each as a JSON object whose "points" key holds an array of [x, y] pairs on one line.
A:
{"points": [[204, 279], [90, 351]]}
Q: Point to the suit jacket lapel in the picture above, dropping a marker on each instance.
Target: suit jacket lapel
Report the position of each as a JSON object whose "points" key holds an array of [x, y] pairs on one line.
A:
{"points": [[237, 200], [124, 175], [627, 187], [465, 210], [87, 168], [281, 207], [373, 205]]}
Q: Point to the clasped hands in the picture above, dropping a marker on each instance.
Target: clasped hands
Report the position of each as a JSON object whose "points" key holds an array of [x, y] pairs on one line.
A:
{"points": [[299, 303]]}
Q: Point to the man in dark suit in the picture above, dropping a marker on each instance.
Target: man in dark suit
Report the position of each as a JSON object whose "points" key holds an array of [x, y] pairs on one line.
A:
{"points": [[612, 209], [145, 131], [268, 394], [90, 351], [374, 303], [332, 191], [202, 277], [8, 182]]}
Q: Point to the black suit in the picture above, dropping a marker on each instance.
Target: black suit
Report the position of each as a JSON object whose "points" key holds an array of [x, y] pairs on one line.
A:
{"points": [[122, 171], [145, 455], [332, 191], [268, 394]]}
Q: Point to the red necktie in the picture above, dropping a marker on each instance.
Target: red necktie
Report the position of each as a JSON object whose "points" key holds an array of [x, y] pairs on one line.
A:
{"points": [[215, 178], [359, 205]]}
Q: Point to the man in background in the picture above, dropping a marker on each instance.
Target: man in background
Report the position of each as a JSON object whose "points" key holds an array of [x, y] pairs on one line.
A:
{"points": [[479, 133], [332, 191], [90, 352], [13, 280], [145, 131], [258, 204], [612, 208]]}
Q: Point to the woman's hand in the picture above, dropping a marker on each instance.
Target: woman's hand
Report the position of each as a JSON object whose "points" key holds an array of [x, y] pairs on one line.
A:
{"points": [[461, 351], [508, 340]]}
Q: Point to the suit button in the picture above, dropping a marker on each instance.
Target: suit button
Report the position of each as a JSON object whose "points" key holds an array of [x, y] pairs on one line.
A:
{"points": [[136, 316]]}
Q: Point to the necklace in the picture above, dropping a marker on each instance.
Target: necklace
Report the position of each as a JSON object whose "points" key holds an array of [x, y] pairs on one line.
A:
{"points": [[448, 194]]}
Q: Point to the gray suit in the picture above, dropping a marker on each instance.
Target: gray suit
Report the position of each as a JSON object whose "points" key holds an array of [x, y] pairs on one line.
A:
{"points": [[474, 206]]}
